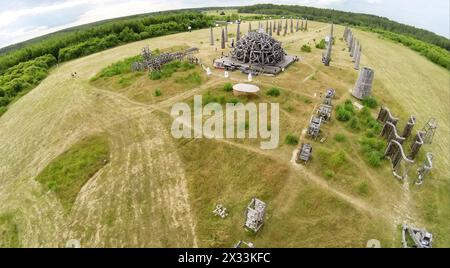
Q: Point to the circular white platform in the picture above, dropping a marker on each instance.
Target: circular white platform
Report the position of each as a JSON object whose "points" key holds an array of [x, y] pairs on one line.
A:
{"points": [[246, 89]]}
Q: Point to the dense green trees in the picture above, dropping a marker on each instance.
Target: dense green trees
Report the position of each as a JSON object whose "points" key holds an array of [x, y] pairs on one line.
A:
{"points": [[23, 77], [22, 68], [355, 19], [91, 38], [434, 47]]}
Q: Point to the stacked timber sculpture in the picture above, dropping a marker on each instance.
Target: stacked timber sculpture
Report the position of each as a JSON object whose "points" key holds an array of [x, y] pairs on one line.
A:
{"points": [[304, 153], [254, 214], [420, 237], [256, 53], [153, 62]]}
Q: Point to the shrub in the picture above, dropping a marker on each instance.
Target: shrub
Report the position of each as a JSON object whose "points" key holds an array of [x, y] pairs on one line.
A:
{"points": [[363, 189], [329, 174], [155, 75], [321, 44], [370, 102], [337, 159], [354, 124], [340, 137], [192, 79], [373, 150], [342, 114], [274, 92], [374, 158], [158, 93], [291, 139], [228, 87], [348, 105], [306, 48], [2, 110]]}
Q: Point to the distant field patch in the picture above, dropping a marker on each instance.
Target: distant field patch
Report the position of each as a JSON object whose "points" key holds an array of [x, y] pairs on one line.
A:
{"points": [[67, 173], [9, 232]]}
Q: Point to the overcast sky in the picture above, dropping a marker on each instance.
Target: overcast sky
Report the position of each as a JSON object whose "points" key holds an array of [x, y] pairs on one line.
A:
{"points": [[21, 20]]}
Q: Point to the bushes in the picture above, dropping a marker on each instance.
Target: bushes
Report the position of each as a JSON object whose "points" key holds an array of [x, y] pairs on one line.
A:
{"points": [[121, 67], [337, 159], [340, 137], [228, 87], [370, 102], [373, 150], [23, 77], [192, 79], [321, 44], [332, 162], [363, 189], [343, 114], [155, 75], [158, 93], [306, 48], [2, 110], [170, 68], [291, 139], [274, 92]]}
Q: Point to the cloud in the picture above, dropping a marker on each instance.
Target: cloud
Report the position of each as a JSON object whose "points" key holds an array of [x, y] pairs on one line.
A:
{"points": [[25, 19]]}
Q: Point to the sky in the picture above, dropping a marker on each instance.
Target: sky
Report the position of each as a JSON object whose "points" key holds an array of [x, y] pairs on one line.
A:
{"points": [[21, 20]]}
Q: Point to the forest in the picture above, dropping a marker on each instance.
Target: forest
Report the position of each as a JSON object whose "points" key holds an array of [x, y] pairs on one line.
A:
{"points": [[349, 18], [430, 45]]}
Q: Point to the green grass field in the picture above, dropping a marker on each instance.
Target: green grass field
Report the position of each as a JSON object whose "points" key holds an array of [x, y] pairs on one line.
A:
{"points": [[157, 191], [68, 173]]}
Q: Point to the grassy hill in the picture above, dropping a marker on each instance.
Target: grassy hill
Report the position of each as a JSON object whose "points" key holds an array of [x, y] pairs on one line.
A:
{"points": [[156, 191]]}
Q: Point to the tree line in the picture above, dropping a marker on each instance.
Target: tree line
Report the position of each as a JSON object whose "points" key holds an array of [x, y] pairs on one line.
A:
{"points": [[25, 66], [349, 18]]}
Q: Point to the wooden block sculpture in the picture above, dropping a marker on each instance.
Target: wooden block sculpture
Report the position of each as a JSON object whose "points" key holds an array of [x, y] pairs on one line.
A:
{"points": [[329, 97], [155, 62], [254, 215], [324, 112], [304, 154], [425, 169], [314, 127], [363, 87], [220, 211], [420, 237]]}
